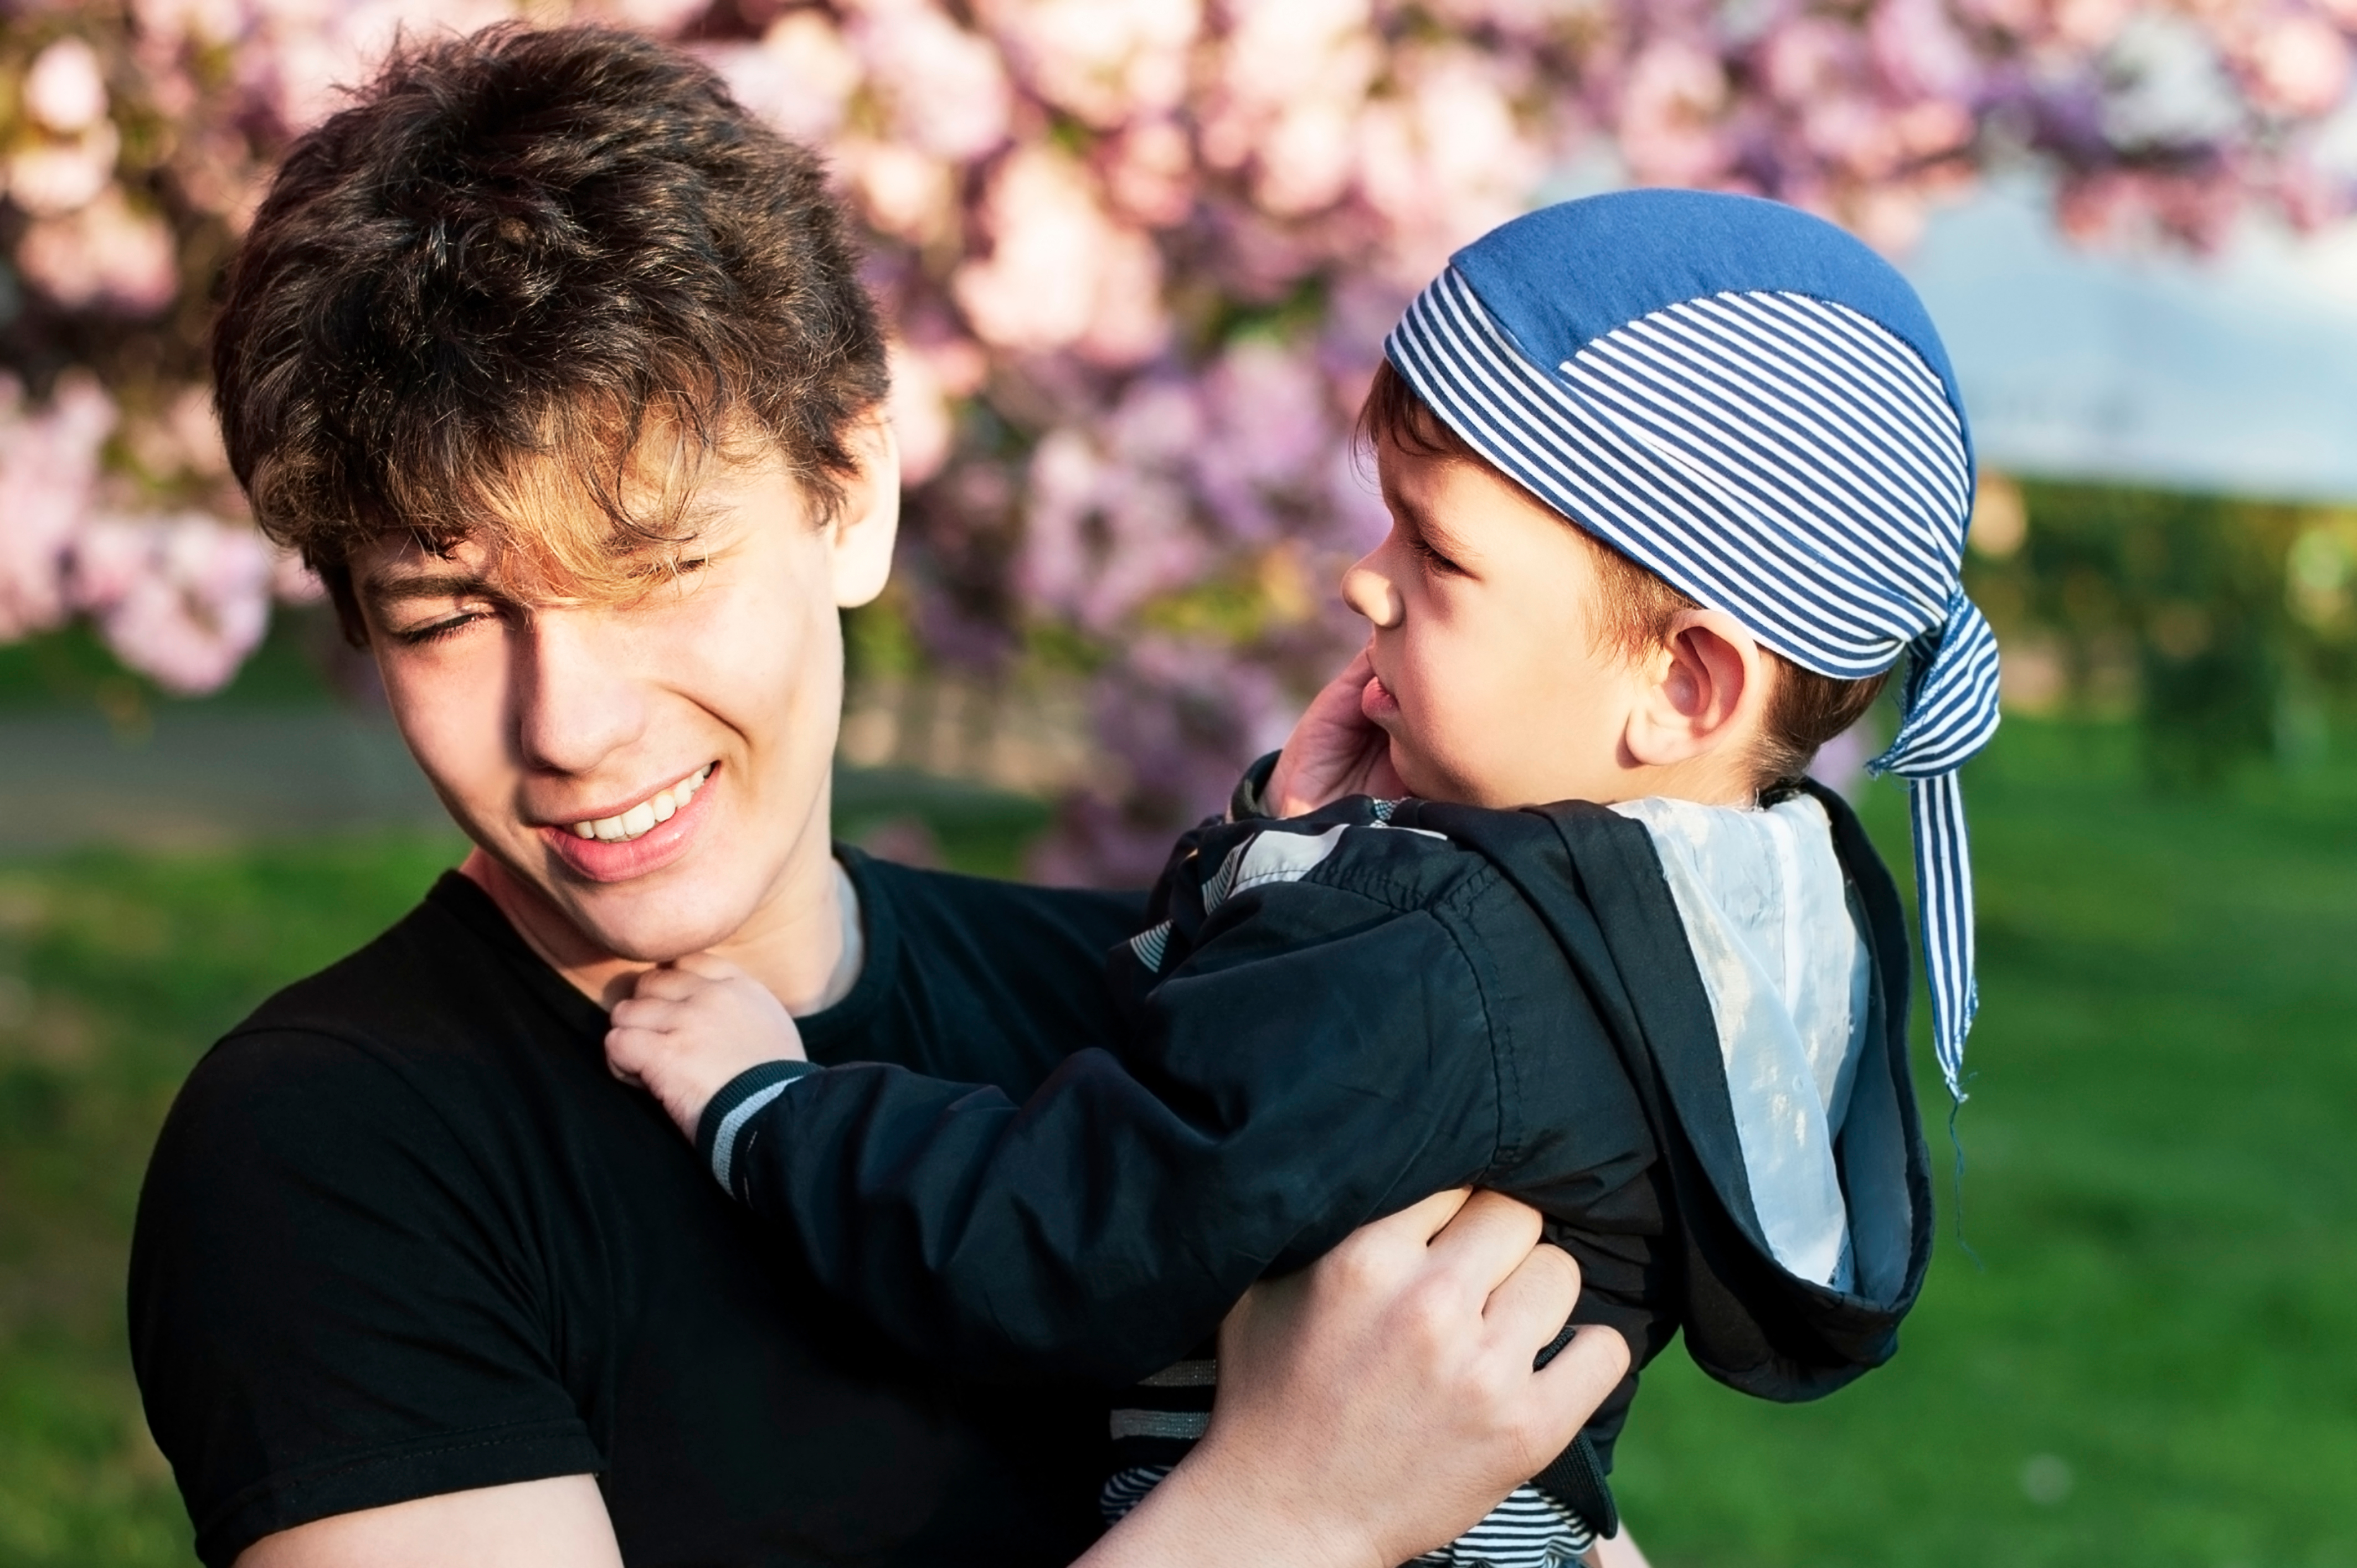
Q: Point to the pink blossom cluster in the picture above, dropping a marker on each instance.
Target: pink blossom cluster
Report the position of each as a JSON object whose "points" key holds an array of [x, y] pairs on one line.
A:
{"points": [[182, 597], [1139, 256]]}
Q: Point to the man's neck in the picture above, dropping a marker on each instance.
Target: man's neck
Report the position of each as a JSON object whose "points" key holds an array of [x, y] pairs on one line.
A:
{"points": [[809, 955], [805, 943]]}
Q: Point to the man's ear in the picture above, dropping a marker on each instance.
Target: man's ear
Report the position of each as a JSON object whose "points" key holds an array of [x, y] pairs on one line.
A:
{"points": [[1704, 689], [869, 519]]}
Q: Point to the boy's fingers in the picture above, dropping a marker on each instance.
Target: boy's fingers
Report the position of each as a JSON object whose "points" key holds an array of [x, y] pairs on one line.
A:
{"points": [[1341, 694], [627, 1050], [669, 985], [1488, 1240], [642, 1012], [707, 966], [1536, 1299]]}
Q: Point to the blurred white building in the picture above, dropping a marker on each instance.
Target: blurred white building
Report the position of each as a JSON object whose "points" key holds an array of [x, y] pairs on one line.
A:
{"points": [[2236, 373]]}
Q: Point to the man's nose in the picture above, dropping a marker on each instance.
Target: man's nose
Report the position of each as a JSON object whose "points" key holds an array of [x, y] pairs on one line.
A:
{"points": [[1367, 590], [577, 699]]}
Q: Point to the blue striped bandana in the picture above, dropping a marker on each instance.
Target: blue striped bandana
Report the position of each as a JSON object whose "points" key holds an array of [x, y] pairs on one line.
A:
{"points": [[1754, 405]]}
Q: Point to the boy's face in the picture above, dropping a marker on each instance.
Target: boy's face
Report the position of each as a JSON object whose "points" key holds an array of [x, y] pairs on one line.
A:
{"points": [[1489, 678], [710, 702]]}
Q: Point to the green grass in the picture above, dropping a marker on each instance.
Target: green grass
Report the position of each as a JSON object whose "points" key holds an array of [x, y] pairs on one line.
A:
{"points": [[2150, 1364], [2160, 1190], [115, 971]]}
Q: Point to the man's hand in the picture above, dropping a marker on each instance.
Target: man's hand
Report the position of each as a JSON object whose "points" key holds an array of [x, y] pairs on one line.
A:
{"points": [[691, 1028], [1379, 1403], [1335, 750]]}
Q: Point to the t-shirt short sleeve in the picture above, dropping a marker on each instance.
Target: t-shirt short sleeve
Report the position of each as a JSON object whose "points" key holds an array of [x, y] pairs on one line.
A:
{"points": [[332, 1302]]}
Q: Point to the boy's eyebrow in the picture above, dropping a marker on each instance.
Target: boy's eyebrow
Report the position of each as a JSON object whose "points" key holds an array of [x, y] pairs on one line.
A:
{"points": [[1434, 534]]}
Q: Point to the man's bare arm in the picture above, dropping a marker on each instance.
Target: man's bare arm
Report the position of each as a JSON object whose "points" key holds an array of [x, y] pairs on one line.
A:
{"points": [[556, 1523], [1370, 1407]]}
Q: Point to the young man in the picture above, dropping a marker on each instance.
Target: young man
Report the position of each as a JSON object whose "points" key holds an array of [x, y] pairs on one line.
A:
{"points": [[554, 362]]}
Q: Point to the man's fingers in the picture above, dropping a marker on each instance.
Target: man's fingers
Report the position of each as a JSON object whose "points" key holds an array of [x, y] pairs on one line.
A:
{"points": [[1531, 1306], [1412, 1227], [1488, 1240], [1571, 1386]]}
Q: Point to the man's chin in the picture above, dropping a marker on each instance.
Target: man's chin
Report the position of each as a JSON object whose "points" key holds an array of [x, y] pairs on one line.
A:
{"points": [[645, 926], [647, 920]]}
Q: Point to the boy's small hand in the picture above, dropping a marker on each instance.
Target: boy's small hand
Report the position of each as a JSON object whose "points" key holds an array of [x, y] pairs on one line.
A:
{"points": [[1335, 750], [691, 1028]]}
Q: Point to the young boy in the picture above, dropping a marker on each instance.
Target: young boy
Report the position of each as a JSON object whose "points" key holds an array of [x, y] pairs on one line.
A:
{"points": [[1674, 479]]}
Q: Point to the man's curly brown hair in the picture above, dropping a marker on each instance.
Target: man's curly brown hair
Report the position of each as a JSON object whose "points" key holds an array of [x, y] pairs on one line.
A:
{"points": [[519, 292]]}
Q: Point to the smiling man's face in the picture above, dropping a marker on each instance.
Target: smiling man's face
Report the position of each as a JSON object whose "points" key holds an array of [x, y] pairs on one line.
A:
{"points": [[650, 778]]}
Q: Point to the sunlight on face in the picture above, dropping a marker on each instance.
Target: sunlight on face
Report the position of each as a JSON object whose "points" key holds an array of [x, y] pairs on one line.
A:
{"points": [[1490, 680], [656, 769]]}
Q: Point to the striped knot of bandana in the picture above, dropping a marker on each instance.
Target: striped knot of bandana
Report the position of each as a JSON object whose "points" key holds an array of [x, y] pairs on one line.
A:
{"points": [[1751, 403]]}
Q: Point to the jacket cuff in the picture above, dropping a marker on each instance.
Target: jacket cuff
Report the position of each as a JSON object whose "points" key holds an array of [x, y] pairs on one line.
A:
{"points": [[728, 1116], [1250, 799]]}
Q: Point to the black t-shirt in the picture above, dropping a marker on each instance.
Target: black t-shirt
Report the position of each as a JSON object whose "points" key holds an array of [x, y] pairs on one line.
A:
{"points": [[404, 1235]]}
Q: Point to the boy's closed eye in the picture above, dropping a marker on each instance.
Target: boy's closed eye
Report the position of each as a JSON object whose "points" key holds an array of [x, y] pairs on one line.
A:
{"points": [[1439, 552], [1431, 556], [1434, 547]]}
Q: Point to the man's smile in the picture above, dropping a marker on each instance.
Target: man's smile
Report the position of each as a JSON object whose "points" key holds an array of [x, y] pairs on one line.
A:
{"points": [[635, 840], [633, 821]]}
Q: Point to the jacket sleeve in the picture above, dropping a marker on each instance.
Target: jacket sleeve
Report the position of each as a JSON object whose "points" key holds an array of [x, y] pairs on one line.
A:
{"points": [[1319, 1058]]}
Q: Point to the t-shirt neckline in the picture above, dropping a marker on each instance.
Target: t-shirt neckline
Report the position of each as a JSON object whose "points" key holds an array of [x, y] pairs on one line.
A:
{"points": [[464, 900]]}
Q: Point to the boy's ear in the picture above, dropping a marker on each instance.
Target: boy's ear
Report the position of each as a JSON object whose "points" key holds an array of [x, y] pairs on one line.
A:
{"points": [[1704, 689], [869, 519]]}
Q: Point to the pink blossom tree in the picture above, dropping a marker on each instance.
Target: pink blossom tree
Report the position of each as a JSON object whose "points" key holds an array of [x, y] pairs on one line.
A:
{"points": [[1139, 255]]}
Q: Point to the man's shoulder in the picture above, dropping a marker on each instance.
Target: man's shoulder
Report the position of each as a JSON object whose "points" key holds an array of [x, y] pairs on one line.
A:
{"points": [[961, 895], [973, 979], [952, 918], [444, 960], [421, 1012]]}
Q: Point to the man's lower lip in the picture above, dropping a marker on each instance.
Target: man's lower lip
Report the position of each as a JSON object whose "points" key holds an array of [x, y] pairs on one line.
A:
{"points": [[621, 860]]}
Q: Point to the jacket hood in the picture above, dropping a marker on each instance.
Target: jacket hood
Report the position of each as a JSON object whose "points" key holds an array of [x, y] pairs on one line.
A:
{"points": [[1768, 918], [1827, 1091]]}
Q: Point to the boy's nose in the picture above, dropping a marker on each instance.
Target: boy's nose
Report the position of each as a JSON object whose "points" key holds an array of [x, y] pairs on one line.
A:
{"points": [[1372, 594]]}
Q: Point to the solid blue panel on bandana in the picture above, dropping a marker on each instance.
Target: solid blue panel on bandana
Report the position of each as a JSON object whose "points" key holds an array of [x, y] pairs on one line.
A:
{"points": [[1565, 274], [1751, 403]]}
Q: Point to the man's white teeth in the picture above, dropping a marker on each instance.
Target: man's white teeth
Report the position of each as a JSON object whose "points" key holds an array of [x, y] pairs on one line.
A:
{"points": [[662, 808]]}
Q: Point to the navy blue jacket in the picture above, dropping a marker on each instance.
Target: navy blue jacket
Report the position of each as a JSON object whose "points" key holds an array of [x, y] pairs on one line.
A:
{"points": [[1500, 999]]}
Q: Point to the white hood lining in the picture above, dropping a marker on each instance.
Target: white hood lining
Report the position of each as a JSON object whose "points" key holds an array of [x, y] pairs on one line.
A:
{"points": [[1775, 936]]}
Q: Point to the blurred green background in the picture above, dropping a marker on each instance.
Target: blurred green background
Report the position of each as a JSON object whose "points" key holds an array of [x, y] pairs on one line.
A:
{"points": [[2147, 1362]]}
